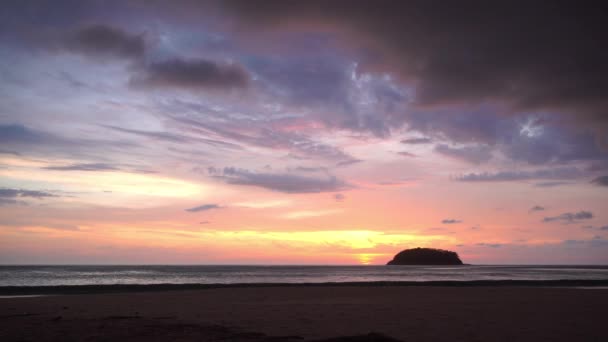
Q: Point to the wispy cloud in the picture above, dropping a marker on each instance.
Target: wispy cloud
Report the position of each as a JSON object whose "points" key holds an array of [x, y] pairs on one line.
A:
{"points": [[601, 181], [417, 141], [491, 245], [84, 167], [536, 208], [263, 204], [450, 221], [339, 197], [570, 217], [406, 154], [506, 176], [14, 193], [470, 154], [283, 182], [203, 207], [302, 214]]}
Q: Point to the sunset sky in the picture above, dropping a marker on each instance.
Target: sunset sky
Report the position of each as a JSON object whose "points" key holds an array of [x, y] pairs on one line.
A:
{"points": [[283, 132]]}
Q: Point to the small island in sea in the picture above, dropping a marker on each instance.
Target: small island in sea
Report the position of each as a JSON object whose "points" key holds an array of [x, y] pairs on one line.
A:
{"points": [[425, 256]]}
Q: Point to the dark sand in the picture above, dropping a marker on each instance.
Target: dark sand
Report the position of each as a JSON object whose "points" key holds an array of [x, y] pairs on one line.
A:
{"points": [[407, 313]]}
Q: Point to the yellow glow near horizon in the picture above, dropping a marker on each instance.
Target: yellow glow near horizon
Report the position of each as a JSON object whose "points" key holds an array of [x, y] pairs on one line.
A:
{"points": [[366, 258], [114, 181], [348, 242]]}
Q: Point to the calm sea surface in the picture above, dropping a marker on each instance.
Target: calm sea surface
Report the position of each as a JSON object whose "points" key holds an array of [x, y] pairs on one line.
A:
{"points": [[100, 275]]}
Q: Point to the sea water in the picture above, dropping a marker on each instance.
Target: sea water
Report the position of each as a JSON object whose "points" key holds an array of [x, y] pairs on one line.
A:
{"points": [[105, 275]]}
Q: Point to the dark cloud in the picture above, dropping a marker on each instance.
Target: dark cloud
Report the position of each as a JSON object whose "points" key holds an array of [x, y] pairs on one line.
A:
{"points": [[535, 57], [193, 74], [470, 154], [84, 167], [282, 182], [417, 141], [7, 193], [451, 221], [570, 217], [604, 228], [506, 176], [203, 207], [339, 197], [537, 208], [601, 181], [106, 41]]}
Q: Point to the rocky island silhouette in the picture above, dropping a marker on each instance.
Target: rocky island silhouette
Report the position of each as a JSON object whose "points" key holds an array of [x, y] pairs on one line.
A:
{"points": [[426, 256]]}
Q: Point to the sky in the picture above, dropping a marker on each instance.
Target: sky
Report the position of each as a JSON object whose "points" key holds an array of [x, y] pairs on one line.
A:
{"points": [[302, 132]]}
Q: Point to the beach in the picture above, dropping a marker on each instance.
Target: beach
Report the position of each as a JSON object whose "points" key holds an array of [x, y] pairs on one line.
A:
{"points": [[304, 313]]}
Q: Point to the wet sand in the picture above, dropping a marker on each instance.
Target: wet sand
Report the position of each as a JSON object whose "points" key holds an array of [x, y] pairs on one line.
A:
{"points": [[297, 313]]}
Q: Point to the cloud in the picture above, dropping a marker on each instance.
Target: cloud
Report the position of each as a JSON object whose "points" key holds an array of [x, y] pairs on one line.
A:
{"points": [[282, 182], [348, 162], [20, 135], [570, 217], [16, 193], [604, 228], [463, 53], [417, 141], [264, 204], [30, 141], [175, 138], [106, 41], [84, 167], [601, 181], [450, 221], [311, 169], [295, 215], [266, 134], [491, 245], [339, 197], [469, 154], [507, 176], [406, 154], [193, 74], [331, 89], [536, 208], [551, 184], [151, 134], [203, 207]]}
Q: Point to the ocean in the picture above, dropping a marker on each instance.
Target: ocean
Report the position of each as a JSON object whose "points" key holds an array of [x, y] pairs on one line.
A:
{"points": [[149, 275]]}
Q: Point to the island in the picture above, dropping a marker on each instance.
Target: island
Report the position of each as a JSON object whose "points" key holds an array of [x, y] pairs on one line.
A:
{"points": [[425, 256]]}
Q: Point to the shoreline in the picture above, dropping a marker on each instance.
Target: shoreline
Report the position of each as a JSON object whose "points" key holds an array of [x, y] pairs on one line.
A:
{"points": [[129, 288]]}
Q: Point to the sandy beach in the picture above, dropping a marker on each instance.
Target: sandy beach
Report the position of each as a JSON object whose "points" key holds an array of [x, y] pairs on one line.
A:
{"points": [[405, 313]]}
